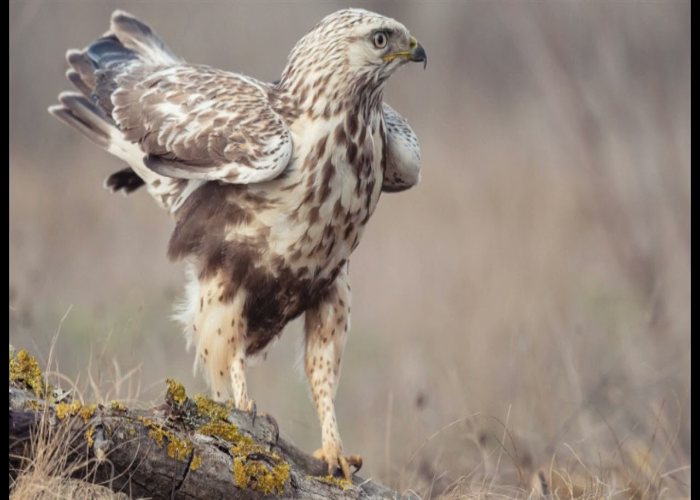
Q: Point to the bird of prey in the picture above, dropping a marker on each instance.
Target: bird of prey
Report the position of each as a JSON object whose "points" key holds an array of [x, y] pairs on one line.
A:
{"points": [[270, 184]]}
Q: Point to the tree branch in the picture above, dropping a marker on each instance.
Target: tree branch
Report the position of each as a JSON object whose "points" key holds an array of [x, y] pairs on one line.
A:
{"points": [[183, 449]]}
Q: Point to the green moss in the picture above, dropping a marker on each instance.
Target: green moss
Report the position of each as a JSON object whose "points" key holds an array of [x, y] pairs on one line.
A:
{"points": [[176, 391], [25, 369], [211, 408], [256, 476]]}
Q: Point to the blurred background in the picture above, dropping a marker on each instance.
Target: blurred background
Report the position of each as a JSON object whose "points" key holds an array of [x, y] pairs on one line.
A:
{"points": [[538, 279]]}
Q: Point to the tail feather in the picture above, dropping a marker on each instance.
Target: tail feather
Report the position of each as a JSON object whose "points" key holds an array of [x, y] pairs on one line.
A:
{"points": [[108, 52], [129, 40], [77, 81], [95, 72], [82, 65], [81, 114], [140, 38]]}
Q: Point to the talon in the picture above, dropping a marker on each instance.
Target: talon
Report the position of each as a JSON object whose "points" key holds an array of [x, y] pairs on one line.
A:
{"points": [[355, 461], [252, 407], [339, 462], [345, 468], [272, 420]]}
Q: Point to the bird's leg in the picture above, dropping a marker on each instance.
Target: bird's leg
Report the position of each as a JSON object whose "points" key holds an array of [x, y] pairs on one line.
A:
{"points": [[238, 382], [327, 326], [220, 335]]}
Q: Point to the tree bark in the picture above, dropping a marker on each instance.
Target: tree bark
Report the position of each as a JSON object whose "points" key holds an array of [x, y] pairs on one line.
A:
{"points": [[183, 449]]}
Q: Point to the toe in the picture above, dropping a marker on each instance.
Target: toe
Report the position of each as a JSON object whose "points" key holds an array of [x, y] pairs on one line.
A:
{"points": [[253, 409], [355, 461], [330, 459], [345, 468]]}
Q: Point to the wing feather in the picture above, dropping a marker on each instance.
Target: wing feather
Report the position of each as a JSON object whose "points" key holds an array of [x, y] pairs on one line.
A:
{"points": [[403, 155], [197, 122]]}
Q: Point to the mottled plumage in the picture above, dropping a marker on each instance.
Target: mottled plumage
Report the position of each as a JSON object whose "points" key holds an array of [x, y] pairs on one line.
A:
{"points": [[270, 184]]}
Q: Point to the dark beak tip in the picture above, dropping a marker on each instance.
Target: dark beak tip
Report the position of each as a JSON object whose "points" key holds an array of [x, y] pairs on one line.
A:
{"points": [[418, 55]]}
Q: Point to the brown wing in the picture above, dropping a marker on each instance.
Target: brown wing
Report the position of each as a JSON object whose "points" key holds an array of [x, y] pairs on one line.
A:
{"points": [[196, 122]]}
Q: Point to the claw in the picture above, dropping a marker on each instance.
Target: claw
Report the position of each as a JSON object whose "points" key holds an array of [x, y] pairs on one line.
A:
{"points": [[355, 461], [253, 408], [345, 468], [339, 462]]}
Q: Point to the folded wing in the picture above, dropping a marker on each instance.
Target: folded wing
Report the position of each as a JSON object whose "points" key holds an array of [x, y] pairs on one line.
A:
{"points": [[197, 122], [403, 155]]}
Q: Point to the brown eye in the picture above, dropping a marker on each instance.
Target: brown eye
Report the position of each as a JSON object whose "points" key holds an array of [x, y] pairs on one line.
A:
{"points": [[380, 39]]}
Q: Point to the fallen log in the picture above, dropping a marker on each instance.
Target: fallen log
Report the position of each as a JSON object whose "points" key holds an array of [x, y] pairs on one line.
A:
{"points": [[187, 448]]}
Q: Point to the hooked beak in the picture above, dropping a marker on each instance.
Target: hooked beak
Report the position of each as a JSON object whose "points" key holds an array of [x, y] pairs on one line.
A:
{"points": [[415, 54]]}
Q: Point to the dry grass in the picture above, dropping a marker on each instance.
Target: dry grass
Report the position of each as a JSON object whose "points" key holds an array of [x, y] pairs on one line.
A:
{"points": [[538, 280], [47, 471]]}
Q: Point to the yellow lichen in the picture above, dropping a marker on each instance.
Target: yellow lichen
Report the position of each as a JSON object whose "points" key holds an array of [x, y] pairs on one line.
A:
{"points": [[132, 431], [248, 447], [24, 368], [196, 462], [155, 432], [177, 448], [240, 473], [87, 412], [64, 410], [34, 404], [334, 481], [209, 407], [176, 390], [255, 475], [224, 430], [89, 436], [116, 405]]}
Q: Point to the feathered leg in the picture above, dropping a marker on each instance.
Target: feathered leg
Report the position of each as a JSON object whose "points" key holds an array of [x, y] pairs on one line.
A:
{"points": [[219, 333], [327, 327]]}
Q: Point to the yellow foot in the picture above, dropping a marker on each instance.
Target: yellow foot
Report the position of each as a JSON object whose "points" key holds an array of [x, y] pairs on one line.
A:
{"points": [[337, 461]]}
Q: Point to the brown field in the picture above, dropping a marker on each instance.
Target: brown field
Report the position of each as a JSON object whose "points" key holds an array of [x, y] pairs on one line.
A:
{"points": [[525, 308]]}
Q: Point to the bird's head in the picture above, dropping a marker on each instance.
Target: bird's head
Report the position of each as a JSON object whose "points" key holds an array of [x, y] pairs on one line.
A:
{"points": [[352, 48]]}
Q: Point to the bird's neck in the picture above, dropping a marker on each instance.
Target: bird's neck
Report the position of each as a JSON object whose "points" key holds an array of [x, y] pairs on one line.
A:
{"points": [[330, 93]]}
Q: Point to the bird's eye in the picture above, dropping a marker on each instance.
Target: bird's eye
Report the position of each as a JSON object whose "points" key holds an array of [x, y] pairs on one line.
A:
{"points": [[380, 39]]}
